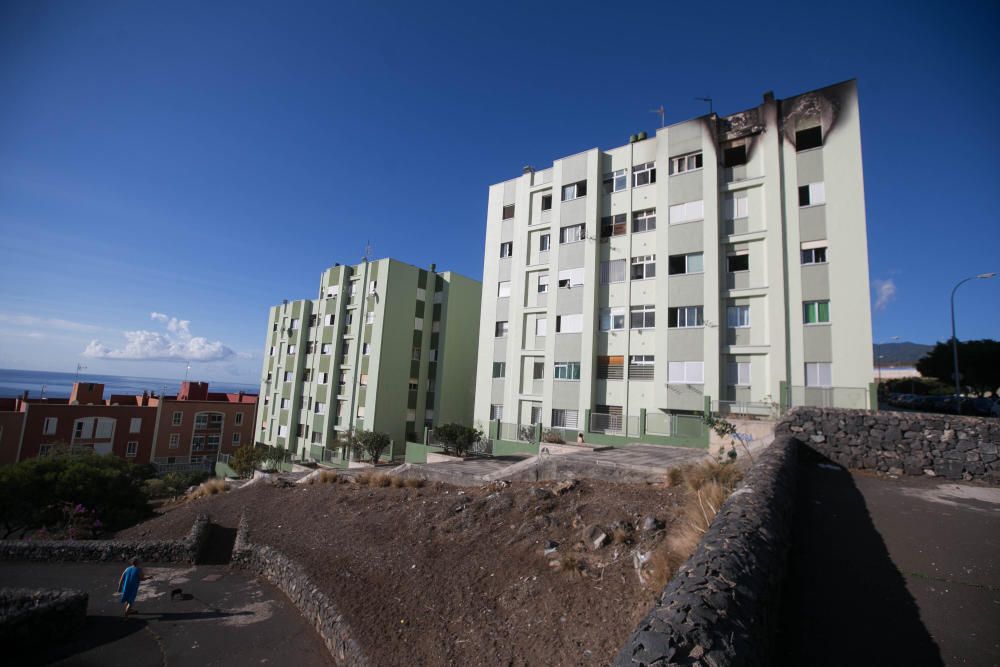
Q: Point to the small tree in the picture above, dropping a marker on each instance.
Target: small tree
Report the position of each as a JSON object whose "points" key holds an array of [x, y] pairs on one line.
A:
{"points": [[457, 438], [373, 443], [726, 429], [246, 459], [275, 456]]}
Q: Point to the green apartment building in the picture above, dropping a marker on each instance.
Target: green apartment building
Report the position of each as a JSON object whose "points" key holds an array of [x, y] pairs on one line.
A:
{"points": [[385, 346]]}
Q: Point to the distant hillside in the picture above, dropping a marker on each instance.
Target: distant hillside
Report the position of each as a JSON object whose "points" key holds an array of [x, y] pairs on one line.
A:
{"points": [[900, 354]]}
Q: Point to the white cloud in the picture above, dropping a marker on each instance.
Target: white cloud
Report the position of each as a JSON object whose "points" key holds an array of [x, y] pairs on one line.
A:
{"points": [[885, 291], [176, 344], [45, 322]]}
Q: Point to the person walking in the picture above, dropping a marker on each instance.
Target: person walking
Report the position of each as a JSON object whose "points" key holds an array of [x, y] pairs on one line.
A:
{"points": [[128, 585]]}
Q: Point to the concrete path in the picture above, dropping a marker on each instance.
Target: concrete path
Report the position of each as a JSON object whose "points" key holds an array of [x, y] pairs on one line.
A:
{"points": [[893, 572], [224, 618]]}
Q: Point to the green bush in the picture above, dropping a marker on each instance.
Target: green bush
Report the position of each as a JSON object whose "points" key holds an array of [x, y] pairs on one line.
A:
{"points": [[457, 438], [35, 493]]}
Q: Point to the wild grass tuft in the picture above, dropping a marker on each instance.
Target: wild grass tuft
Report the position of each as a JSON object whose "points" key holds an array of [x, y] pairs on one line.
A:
{"points": [[208, 488]]}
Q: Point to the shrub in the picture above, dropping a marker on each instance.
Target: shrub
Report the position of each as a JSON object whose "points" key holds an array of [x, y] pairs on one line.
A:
{"points": [[457, 438], [372, 443], [209, 488], [412, 483], [246, 459], [553, 438], [33, 493]]}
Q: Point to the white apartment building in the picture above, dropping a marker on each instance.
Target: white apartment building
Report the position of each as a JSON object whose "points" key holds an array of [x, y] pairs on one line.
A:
{"points": [[721, 264]]}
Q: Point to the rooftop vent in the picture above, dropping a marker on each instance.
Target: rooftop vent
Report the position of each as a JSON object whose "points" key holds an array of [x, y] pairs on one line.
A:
{"points": [[527, 169]]}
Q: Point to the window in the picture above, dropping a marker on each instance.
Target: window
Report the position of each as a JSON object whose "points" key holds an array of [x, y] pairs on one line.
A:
{"points": [[238, 419], [323, 378], [739, 373], [546, 202], [683, 264], [361, 412], [614, 225], [738, 262], [370, 317], [286, 403], [503, 289], [819, 374], [811, 137], [310, 347], [201, 419], [506, 249], [352, 288], [499, 369], [175, 440], [813, 194], [814, 255], [236, 438], [612, 319], [415, 356], [738, 317], [536, 414], [734, 156], [319, 408], [413, 385], [538, 370], [644, 221], [572, 233], [366, 348], [686, 372], [508, 212], [49, 428], [690, 162], [135, 425], [282, 430], [816, 312], [688, 212], [317, 438], [294, 324], [500, 331], [610, 368], [288, 376], [574, 190], [569, 323], [641, 367], [543, 283], [332, 291], [544, 243], [736, 206], [565, 418], [571, 277], [270, 351], [363, 380], [615, 181], [685, 317], [642, 317], [643, 174], [541, 326], [132, 449], [326, 348], [329, 320], [643, 266], [292, 349], [566, 370], [613, 271], [496, 411]]}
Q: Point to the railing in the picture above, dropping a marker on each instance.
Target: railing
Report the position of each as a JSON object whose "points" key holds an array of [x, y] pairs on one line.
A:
{"points": [[163, 468], [605, 423], [674, 425], [610, 371], [746, 408], [509, 431]]}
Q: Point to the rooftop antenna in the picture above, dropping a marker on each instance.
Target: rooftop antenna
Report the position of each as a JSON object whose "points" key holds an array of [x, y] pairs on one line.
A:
{"points": [[186, 371], [368, 251], [79, 367], [706, 99], [660, 110]]}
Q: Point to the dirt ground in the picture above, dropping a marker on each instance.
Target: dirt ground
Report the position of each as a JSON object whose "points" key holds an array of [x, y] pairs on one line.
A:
{"points": [[447, 576]]}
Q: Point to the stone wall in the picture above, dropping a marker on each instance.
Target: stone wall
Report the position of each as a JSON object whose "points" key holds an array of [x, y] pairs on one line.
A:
{"points": [[147, 551], [901, 443], [314, 605], [29, 617], [722, 607]]}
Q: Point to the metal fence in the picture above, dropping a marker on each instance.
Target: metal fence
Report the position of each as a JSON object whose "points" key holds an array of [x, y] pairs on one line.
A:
{"points": [[829, 397], [606, 423], [746, 409], [674, 425], [164, 468]]}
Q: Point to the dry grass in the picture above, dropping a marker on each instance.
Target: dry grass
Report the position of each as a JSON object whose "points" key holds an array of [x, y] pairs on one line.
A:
{"points": [[325, 477], [411, 483], [571, 564], [621, 536], [396, 482], [707, 485], [209, 488]]}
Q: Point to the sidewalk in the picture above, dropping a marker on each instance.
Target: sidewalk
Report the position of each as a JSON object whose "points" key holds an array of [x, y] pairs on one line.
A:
{"points": [[892, 572]]}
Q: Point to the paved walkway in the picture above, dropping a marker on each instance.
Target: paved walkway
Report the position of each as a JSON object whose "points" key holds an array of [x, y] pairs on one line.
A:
{"points": [[893, 572], [654, 458], [222, 618]]}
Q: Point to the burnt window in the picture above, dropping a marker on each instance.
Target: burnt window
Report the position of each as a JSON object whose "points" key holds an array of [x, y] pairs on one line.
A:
{"points": [[738, 262], [546, 202], [734, 156], [508, 211], [809, 138]]}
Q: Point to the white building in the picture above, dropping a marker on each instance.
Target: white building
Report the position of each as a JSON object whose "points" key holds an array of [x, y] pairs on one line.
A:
{"points": [[724, 259]]}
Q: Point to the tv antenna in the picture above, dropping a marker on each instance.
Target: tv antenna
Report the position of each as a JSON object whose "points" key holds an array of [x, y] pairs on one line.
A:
{"points": [[79, 367], [368, 251], [706, 99], [660, 110], [186, 371]]}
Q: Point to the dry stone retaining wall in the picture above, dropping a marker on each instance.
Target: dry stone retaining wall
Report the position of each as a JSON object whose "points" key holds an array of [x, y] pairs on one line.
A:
{"points": [[29, 616], [901, 443], [722, 607], [149, 551], [314, 605]]}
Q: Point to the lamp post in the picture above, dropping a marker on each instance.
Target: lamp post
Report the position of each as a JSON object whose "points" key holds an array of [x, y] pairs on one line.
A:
{"points": [[954, 339], [878, 360]]}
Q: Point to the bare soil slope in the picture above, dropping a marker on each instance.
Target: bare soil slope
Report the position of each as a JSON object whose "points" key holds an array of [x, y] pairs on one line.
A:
{"points": [[446, 576]]}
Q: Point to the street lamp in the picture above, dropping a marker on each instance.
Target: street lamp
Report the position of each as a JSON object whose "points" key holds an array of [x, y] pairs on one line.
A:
{"points": [[878, 360], [954, 340]]}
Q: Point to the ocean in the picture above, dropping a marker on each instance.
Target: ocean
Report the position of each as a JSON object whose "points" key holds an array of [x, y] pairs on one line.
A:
{"points": [[59, 385]]}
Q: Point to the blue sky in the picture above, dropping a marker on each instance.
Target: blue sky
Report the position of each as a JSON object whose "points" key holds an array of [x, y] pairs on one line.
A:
{"points": [[156, 159]]}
